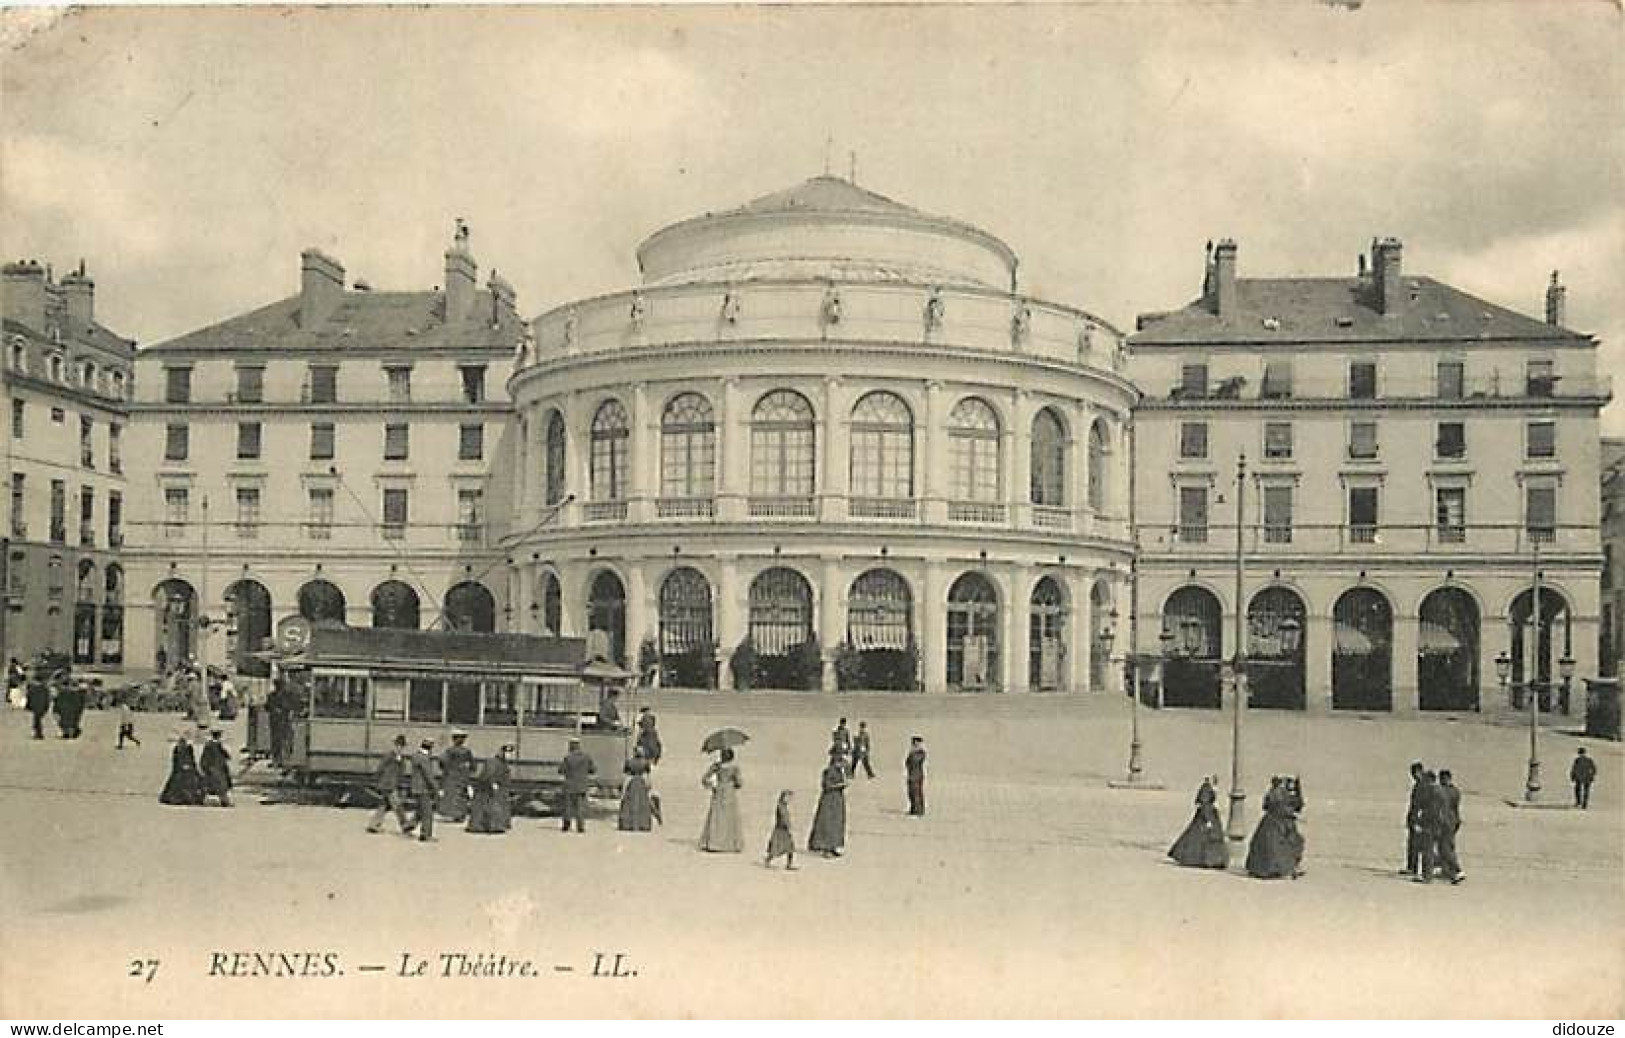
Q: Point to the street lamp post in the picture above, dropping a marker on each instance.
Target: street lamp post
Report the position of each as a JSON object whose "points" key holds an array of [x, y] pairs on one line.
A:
{"points": [[1532, 659], [1237, 827]]}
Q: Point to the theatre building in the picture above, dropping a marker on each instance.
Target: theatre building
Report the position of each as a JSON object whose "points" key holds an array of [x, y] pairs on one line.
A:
{"points": [[1414, 456], [825, 443]]}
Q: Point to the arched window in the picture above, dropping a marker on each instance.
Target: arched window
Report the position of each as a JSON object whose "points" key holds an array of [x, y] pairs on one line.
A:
{"points": [[555, 458], [879, 612], [1447, 651], [1048, 460], [611, 436], [552, 605], [321, 601], [687, 649], [782, 448], [1046, 636], [1097, 466], [112, 640], [882, 447], [1193, 618], [781, 612], [1275, 649], [973, 633], [688, 447], [606, 613], [250, 603], [395, 605], [973, 432], [84, 614], [470, 607]]}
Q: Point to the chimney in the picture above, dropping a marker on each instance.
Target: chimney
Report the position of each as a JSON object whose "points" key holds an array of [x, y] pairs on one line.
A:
{"points": [[1224, 277], [80, 290], [24, 299], [321, 287], [460, 276], [503, 301], [1556, 301], [1386, 268]]}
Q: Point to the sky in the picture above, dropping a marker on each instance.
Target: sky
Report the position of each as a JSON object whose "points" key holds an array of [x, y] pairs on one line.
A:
{"points": [[189, 155]]}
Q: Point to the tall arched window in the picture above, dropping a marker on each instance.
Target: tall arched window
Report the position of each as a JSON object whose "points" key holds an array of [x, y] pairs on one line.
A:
{"points": [[112, 640], [882, 447], [1048, 476], [782, 447], [973, 432], [1097, 466], [611, 436], [555, 458], [688, 447], [552, 596]]}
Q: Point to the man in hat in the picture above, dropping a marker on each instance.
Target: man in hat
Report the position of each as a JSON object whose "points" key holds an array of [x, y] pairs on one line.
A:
{"points": [[840, 740], [215, 764], [1413, 824], [1449, 825], [456, 772], [648, 737], [860, 751], [1430, 820], [39, 703], [609, 712], [1582, 773], [577, 769], [393, 774], [425, 790], [914, 766]]}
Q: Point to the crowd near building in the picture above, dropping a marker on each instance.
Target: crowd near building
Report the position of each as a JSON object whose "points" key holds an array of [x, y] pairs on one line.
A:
{"points": [[827, 442]]}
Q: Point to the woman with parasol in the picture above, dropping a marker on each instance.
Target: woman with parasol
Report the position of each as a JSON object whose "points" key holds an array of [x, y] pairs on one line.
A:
{"points": [[722, 832]]}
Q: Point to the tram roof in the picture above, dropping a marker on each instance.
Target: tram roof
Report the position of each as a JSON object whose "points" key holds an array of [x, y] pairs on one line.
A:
{"points": [[371, 646]]}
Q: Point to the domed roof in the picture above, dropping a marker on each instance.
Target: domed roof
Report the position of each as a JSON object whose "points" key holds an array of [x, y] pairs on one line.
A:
{"points": [[826, 227]]}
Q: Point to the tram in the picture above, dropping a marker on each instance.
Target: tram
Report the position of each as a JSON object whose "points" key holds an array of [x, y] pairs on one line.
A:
{"points": [[358, 688]]}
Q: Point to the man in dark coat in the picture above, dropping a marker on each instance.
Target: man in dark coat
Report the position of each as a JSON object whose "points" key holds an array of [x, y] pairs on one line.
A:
{"points": [[394, 773], [648, 737], [1431, 816], [577, 769], [841, 740], [1449, 824], [456, 773], [1413, 825], [279, 705], [860, 751], [1582, 773], [70, 707], [914, 765], [425, 790], [215, 764], [39, 704]]}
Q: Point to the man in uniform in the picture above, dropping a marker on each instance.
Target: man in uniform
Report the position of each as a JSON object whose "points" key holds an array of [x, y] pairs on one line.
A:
{"points": [[39, 703], [860, 751], [840, 741], [914, 765], [1449, 824], [425, 790], [1582, 773], [1430, 823], [393, 774], [577, 769], [1413, 831], [456, 772]]}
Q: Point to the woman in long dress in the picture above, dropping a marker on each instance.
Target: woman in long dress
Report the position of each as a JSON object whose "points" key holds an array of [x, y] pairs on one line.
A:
{"points": [[490, 811], [780, 843], [637, 815], [185, 784], [722, 831], [1276, 850], [1203, 845], [829, 821]]}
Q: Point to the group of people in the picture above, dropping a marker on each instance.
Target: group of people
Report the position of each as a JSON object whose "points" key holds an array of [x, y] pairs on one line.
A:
{"points": [[1432, 819], [46, 693], [194, 777], [1277, 846], [448, 785]]}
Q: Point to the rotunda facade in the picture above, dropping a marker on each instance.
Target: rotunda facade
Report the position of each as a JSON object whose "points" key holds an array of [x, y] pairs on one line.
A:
{"points": [[826, 444]]}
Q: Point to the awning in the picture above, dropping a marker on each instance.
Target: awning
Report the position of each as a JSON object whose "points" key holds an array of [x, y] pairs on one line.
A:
{"points": [[1350, 641], [1435, 638]]}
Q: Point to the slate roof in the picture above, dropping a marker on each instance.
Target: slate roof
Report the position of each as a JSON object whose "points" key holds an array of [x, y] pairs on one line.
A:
{"points": [[1342, 310], [441, 649], [76, 333], [825, 194]]}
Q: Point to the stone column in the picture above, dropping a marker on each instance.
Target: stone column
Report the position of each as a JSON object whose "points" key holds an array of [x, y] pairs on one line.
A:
{"points": [[1016, 592], [578, 455], [934, 468], [1407, 644], [572, 597], [731, 619], [932, 610], [733, 452], [645, 445], [1317, 662], [1018, 492], [831, 619], [638, 612], [1078, 628], [834, 435]]}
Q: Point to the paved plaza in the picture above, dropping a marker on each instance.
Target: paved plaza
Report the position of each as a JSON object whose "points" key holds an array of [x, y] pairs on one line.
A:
{"points": [[1031, 889]]}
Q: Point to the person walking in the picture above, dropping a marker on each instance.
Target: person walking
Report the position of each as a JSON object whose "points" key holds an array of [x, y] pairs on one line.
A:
{"points": [[215, 764], [636, 814], [1413, 824], [781, 842], [1203, 845], [70, 705], [1431, 821], [840, 741], [861, 745], [1276, 849], [126, 720], [39, 704], [392, 779], [828, 835], [184, 788], [578, 770], [648, 737], [723, 833], [16, 680], [425, 790], [1582, 773], [456, 772], [490, 811], [914, 766], [1449, 825]]}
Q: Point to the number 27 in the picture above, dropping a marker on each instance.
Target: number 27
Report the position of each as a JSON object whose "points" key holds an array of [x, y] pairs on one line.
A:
{"points": [[147, 968]]}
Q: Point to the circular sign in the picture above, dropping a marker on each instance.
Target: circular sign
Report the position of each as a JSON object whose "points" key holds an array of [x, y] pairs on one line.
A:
{"points": [[293, 634]]}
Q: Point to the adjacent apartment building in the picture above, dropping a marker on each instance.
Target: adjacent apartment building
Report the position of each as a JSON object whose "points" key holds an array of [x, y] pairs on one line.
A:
{"points": [[67, 380], [1611, 638], [1387, 461]]}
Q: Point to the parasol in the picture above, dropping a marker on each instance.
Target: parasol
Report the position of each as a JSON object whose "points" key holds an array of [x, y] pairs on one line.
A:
{"points": [[723, 738]]}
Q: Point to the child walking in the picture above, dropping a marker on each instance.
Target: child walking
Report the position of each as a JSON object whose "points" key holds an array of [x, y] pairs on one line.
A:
{"points": [[126, 721], [781, 842]]}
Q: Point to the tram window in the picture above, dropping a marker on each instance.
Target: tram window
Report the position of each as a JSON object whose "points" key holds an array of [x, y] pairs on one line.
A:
{"points": [[339, 695], [501, 702], [550, 705], [463, 702], [389, 699], [425, 702]]}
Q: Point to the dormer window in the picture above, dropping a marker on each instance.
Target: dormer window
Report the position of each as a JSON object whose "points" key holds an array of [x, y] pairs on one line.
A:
{"points": [[87, 374], [55, 367], [19, 354]]}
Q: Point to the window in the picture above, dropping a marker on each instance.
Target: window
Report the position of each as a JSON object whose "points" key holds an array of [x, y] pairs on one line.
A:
{"points": [[1362, 440], [19, 356], [1277, 441], [19, 418], [611, 438], [59, 512], [1193, 516], [470, 442], [1451, 377], [1048, 462], [1451, 442], [470, 504], [115, 450], [248, 512], [882, 449], [118, 384], [1097, 466], [473, 383], [973, 433], [177, 441], [248, 441], [19, 504], [19, 574], [1277, 515], [176, 506], [54, 366], [1363, 380], [87, 517], [115, 519], [321, 441], [1540, 511], [1541, 441], [177, 385], [1540, 378], [1193, 440], [1363, 503], [57, 415], [87, 374], [1193, 381], [1277, 380], [555, 458], [399, 382], [782, 446], [324, 384], [54, 578], [250, 384], [319, 524], [688, 447], [395, 509], [1450, 514], [397, 442]]}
